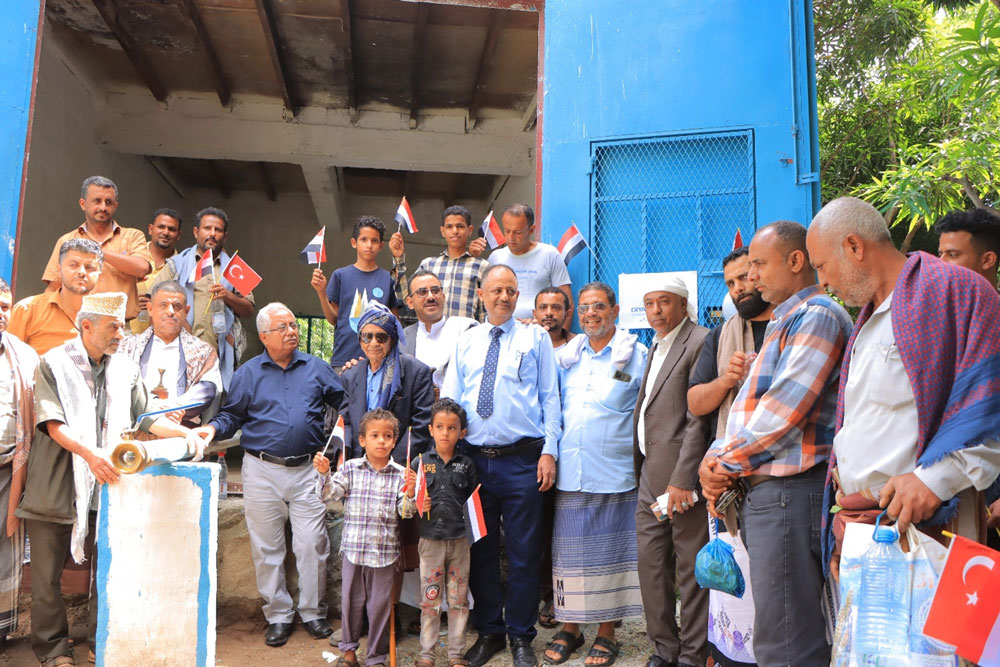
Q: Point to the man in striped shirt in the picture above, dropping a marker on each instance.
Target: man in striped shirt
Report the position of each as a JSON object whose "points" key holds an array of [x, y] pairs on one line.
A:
{"points": [[777, 442], [459, 268]]}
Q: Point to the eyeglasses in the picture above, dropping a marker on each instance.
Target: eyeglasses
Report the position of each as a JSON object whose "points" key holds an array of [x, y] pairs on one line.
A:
{"points": [[294, 326], [380, 337], [596, 307], [423, 291]]}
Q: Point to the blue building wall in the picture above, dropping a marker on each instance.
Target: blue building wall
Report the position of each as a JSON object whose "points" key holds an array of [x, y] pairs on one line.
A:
{"points": [[19, 24], [668, 123]]}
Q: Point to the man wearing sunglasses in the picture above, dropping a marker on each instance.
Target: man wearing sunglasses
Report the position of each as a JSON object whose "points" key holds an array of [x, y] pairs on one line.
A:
{"points": [[432, 338]]}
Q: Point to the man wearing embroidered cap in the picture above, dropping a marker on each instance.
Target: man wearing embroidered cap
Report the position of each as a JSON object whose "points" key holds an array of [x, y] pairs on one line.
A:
{"points": [[85, 396], [667, 445]]}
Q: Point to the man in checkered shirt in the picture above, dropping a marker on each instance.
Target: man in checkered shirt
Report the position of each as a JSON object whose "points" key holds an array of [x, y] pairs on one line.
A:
{"points": [[459, 267]]}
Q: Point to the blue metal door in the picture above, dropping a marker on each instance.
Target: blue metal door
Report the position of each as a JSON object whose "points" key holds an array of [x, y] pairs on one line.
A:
{"points": [[672, 203]]}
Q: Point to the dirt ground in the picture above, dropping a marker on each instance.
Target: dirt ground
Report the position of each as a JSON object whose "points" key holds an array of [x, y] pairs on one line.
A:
{"points": [[243, 645]]}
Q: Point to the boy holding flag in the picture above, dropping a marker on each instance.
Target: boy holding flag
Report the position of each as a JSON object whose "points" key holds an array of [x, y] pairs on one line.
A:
{"points": [[444, 541]]}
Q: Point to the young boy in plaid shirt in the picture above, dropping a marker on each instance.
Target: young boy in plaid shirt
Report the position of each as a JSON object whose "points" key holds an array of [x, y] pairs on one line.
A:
{"points": [[374, 498], [444, 546]]}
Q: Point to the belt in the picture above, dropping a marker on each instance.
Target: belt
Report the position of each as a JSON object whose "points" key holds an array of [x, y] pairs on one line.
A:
{"points": [[522, 445], [754, 480], [287, 461]]}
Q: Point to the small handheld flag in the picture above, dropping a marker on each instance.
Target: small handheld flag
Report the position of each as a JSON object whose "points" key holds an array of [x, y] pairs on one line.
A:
{"points": [[315, 250], [571, 244], [738, 239], [204, 266], [421, 496], [491, 231], [404, 216], [239, 273], [475, 522], [337, 436]]}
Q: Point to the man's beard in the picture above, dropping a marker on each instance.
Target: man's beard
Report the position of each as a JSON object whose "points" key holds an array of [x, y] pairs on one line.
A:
{"points": [[752, 306]]}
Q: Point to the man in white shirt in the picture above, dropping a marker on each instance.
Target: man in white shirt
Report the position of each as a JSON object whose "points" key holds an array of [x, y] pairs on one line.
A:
{"points": [[537, 265], [433, 337], [917, 435], [177, 368]]}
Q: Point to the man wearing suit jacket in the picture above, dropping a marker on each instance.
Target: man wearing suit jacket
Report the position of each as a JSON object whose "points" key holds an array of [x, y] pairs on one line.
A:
{"points": [[432, 338], [668, 444]]}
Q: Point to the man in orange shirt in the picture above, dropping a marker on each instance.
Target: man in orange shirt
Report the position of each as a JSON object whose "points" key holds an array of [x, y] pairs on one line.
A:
{"points": [[47, 320], [126, 256]]}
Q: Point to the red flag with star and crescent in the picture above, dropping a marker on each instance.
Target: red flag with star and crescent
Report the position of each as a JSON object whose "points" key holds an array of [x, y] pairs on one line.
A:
{"points": [[239, 273], [965, 612]]}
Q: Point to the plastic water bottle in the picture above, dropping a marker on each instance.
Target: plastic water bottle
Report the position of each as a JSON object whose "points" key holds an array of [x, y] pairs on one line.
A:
{"points": [[223, 476], [882, 628]]}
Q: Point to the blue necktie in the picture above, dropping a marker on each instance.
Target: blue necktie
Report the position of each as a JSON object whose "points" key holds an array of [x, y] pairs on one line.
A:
{"points": [[484, 406]]}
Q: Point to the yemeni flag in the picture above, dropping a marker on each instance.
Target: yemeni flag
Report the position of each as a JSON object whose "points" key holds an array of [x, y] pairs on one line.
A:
{"points": [[404, 216], [571, 244], [475, 522], [421, 496], [337, 437], [204, 266], [491, 231], [965, 611], [738, 239], [239, 273], [315, 250]]}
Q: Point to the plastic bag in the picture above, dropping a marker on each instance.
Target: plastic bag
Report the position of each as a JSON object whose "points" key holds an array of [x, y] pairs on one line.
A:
{"points": [[715, 566]]}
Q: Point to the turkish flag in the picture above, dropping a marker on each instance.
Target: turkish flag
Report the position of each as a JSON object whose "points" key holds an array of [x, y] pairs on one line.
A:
{"points": [[966, 605], [239, 273]]}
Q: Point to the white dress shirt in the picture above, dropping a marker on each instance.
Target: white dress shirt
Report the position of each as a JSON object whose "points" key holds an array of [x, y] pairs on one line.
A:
{"points": [[165, 356], [661, 346], [879, 437], [434, 347]]}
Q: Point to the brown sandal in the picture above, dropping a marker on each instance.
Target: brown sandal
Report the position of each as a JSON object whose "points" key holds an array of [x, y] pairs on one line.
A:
{"points": [[59, 660]]}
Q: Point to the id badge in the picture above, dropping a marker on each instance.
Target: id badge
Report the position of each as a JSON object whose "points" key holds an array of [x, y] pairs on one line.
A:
{"points": [[219, 322], [621, 376]]}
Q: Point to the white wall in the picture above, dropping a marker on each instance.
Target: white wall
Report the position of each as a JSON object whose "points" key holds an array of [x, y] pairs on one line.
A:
{"points": [[63, 152]]}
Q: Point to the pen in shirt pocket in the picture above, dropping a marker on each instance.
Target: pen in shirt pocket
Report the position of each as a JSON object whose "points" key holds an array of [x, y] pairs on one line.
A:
{"points": [[520, 360]]}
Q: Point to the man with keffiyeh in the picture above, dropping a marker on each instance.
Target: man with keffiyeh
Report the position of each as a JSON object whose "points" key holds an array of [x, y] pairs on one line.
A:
{"points": [[387, 378], [919, 407]]}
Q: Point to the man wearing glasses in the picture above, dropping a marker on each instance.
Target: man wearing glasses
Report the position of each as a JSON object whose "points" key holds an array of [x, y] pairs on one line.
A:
{"points": [[432, 338], [278, 398]]}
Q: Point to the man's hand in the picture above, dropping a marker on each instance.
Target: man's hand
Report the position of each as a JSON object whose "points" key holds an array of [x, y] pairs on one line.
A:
{"points": [[993, 521], [196, 444], [737, 369], [546, 472], [681, 500], [908, 500], [206, 432], [714, 479], [396, 245], [100, 465], [477, 246], [351, 363], [318, 281], [143, 302], [219, 291]]}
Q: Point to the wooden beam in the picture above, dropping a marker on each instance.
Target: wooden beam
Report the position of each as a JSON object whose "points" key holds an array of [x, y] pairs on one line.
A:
{"points": [[220, 180], [530, 115], [265, 178], [497, 21], [419, 36], [215, 67], [110, 12], [352, 90], [266, 14], [163, 168]]}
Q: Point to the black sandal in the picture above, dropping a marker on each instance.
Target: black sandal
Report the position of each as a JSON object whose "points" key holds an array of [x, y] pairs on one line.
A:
{"points": [[610, 655], [547, 617], [564, 650]]}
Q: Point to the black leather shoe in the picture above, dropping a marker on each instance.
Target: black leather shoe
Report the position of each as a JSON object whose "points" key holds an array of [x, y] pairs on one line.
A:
{"points": [[485, 648], [657, 661], [277, 634], [318, 628], [524, 655]]}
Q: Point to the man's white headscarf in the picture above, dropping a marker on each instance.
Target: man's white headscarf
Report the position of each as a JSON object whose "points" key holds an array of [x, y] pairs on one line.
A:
{"points": [[675, 285]]}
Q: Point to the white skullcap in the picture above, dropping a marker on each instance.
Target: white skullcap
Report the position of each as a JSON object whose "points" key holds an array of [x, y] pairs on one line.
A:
{"points": [[674, 285], [111, 304]]}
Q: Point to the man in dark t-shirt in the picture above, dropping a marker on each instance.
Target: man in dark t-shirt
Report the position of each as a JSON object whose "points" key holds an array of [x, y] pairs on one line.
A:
{"points": [[345, 298]]}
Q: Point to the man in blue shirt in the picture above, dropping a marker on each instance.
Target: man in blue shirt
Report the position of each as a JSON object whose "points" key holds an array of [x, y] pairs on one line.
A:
{"points": [[278, 398], [504, 374], [594, 552]]}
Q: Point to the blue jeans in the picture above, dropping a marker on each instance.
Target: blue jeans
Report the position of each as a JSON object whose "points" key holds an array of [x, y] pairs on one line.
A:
{"points": [[509, 490], [781, 521]]}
